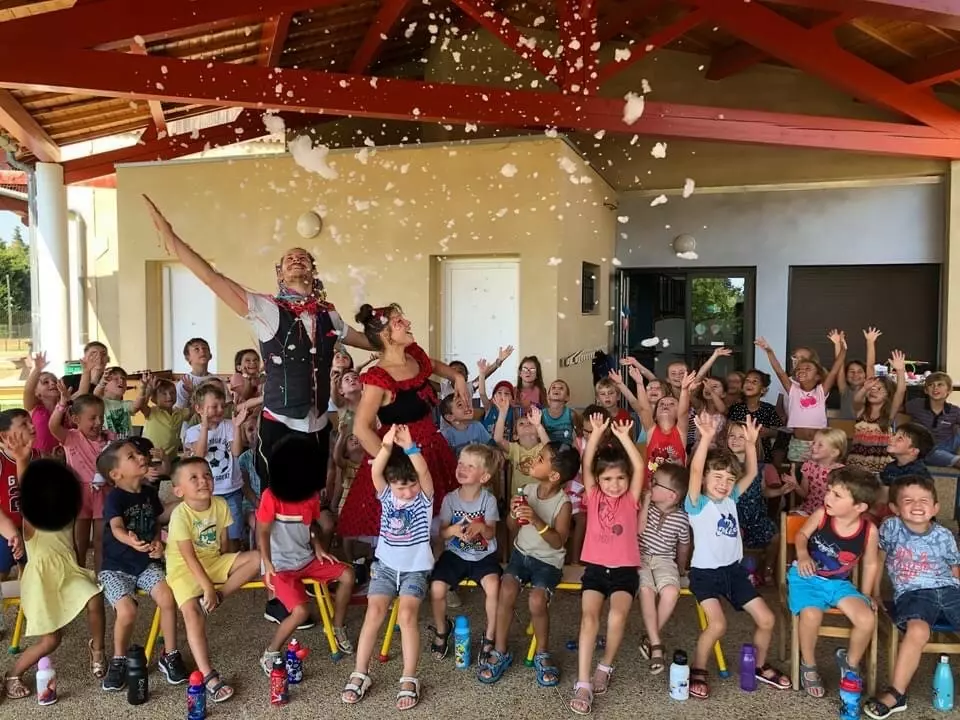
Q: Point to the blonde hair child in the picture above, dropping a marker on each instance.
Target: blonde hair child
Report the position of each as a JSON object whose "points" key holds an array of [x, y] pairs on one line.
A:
{"points": [[827, 451]]}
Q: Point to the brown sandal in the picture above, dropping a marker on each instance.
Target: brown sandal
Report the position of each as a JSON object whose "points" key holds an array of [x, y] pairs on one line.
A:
{"points": [[699, 687], [657, 661], [97, 667], [14, 688]]}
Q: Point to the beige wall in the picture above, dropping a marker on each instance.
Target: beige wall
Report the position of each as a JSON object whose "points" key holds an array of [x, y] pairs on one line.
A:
{"points": [[385, 222]]}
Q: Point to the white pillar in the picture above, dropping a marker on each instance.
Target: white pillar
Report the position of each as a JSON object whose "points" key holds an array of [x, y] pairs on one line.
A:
{"points": [[51, 331]]}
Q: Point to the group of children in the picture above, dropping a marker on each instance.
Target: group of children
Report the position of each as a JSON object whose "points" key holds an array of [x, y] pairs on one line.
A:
{"points": [[609, 488]]}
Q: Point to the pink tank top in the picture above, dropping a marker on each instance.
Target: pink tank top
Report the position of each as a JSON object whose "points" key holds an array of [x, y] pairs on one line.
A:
{"points": [[806, 408], [611, 537]]}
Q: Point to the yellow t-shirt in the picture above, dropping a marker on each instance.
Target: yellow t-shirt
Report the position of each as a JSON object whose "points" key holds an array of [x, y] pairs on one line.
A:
{"points": [[205, 529], [521, 459], [162, 428]]}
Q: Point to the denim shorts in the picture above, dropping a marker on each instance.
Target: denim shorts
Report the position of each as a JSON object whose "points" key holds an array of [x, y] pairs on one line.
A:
{"points": [[818, 592], [235, 503], [730, 582], [536, 573], [935, 606], [384, 580]]}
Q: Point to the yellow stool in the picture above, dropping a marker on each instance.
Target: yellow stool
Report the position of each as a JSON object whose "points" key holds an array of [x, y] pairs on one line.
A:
{"points": [[324, 603], [11, 596]]}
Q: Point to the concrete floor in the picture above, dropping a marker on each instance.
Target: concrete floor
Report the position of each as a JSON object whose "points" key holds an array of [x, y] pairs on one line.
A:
{"points": [[238, 634]]}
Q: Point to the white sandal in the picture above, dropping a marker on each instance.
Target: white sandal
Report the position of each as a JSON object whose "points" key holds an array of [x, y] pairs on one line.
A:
{"points": [[404, 694], [359, 691]]}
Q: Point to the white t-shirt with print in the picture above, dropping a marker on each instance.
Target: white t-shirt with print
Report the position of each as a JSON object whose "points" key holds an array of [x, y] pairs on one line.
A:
{"points": [[223, 465], [716, 531]]}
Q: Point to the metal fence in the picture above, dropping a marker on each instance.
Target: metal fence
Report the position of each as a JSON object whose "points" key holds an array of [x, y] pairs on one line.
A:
{"points": [[16, 329]]}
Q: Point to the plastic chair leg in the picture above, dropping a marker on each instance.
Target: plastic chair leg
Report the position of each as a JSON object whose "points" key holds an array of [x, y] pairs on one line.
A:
{"points": [[153, 635], [388, 635], [722, 670], [327, 620], [17, 632]]}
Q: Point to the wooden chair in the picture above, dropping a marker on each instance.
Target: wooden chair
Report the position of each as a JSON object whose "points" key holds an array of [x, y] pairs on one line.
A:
{"points": [[835, 624], [944, 640]]}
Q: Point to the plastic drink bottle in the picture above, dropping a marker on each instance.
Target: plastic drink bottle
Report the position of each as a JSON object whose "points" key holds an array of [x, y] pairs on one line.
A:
{"points": [[196, 697], [943, 685], [138, 686], [851, 687], [679, 677], [46, 682], [295, 657], [279, 689], [523, 501], [461, 641], [748, 668]]}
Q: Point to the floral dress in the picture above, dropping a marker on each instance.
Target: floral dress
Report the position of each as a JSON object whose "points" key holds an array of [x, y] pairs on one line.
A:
{"points": [[766, 415], [756, 525], [413, 403]]}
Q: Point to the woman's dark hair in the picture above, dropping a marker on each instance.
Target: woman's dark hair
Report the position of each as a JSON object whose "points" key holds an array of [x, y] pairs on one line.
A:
{"points": [[539, 382], [82, 402], [846, 368], [238, 358], [374, 320], [50, 495]]}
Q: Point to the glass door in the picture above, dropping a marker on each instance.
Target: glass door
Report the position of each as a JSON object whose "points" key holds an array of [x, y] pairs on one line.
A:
{"points": [[720, 314]]}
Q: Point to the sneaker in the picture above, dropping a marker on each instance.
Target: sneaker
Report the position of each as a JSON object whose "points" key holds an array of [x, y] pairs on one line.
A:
{"points": [[275, 612], [116, 677], [266, 661], [453, 600], [343, 642], [172, 667]]}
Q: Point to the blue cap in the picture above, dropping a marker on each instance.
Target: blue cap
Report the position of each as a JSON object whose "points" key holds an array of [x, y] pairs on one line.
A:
{"points": [[462, 623]]}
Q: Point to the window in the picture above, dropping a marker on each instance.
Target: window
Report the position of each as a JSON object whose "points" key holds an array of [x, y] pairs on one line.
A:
{"points": [[590, 289]]}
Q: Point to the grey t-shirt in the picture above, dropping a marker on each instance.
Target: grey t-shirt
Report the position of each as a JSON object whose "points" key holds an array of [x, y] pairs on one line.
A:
{"points": [[455, 510]]}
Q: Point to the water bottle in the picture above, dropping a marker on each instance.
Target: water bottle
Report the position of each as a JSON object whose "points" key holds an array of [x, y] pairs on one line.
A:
{"points": [[523, 501], [943, 685], [748, 668], [279, 688], [461, 642], [851, 686], [138, 687], [294, 664], [196, 697], [46, 682], [679, 677]]}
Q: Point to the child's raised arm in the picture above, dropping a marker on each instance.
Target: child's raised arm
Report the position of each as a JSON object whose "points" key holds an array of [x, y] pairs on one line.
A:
{"points": [[708, 429], [752, 432], [503, 407], [381, 458], [632, 362], [483, 369], [839, 340], [37, 363], [803, 485], [687, 385], [599, 422], [236, 445], [830, 380], [624, 433], [535, 416], [774, 363], [899, 362], [716, 355], [871, 334], [643, 407], [860, 396], [56, 417], [403, 439], [142, 395]]}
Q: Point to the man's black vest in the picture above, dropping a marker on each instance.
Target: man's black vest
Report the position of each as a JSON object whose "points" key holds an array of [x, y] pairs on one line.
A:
{"points": [[297, 376]]}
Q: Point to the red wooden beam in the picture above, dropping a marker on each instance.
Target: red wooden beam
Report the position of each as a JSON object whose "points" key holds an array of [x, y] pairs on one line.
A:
{"points": [[939, 13], [15, 205], [620, 18], [577, 22], [379, 31], [15, 119], [660, 38], [112, 24], [315, 92], [741, 56], [13, 177], [931, 71], [273, 37], [156, 108], [807, 51], [485, 14]]}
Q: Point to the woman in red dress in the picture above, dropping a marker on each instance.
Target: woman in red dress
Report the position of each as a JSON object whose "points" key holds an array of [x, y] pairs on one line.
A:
{"points": [[397, 391]]}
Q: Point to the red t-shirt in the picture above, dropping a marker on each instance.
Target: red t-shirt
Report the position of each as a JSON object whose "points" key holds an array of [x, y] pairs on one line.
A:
{"points": [[290, 546], [664, 447], [10, 487]]}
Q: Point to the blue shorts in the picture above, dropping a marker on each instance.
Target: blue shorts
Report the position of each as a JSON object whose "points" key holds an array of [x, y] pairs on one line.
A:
{"points": [[6, 557], [235, 503], [536, 573], [731, 582], [818, 592], [384, 580], [935, 606]]}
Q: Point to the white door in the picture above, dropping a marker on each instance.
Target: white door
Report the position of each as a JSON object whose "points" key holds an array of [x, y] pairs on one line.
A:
{"points": [[481, 313], [189, 311]]}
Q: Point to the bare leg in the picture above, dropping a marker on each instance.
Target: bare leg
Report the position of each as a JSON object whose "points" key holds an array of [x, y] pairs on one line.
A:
{"points": [[491, 589], [668, 603], [245, 568], [126, 610], [908, 659], [438, 604], [407, 618], [341, 600], [96, 622], [540, 617], [716, 629], [377, 607], [765, 620], [163, 596], [297, 617], [97, 544], [45, 645], [81, 536], [591, 603], [196, 625], [620, 603], [808, 626], [863, 620], [648, 611], [509, 591]]}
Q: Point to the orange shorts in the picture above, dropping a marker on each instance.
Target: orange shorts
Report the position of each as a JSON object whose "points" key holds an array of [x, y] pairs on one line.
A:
{"points": [[288, 584]]}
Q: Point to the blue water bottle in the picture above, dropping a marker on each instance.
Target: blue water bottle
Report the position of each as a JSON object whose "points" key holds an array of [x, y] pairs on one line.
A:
{"points": [[851, 687], [196, 697], [943, 685], [461, 641]]}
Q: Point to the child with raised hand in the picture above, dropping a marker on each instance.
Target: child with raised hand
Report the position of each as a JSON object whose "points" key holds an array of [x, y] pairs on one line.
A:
{"points": [[245, 383], [716, 482], [613, 478], [665, 552], [665, 423], [288, 539], [117, 411], [403, 562], [558, 419], [163, 422], [923, 564], [531, 437], [54, 589], [829, 545], [755, 386], [855, 373], [198, 560], [806, 395], [40, 397], [876, 404], [132, 560], [530, 388], [468, 525], [220, 443], [540, 522], [17, 437], [503, 396], [827, 452], [460, 429], [82, 444]]}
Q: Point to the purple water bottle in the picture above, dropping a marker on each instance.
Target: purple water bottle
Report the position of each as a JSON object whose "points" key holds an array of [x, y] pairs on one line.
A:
{"points": [[748, 668]]}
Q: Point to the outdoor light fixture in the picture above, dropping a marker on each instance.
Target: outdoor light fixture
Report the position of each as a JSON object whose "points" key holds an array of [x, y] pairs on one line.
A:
{"points": [[685, 246], [309, 225]]}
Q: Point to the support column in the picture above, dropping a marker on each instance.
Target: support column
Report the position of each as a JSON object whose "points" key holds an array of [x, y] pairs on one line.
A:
{"points": [[51, 316]]}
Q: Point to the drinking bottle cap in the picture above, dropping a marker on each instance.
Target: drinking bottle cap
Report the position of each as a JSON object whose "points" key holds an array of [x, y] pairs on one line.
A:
{"points": [[851, 682], [462, 623], [294, 645], [196, 678], [279, 664], [945, 658], [679, 657], [44, 664]]}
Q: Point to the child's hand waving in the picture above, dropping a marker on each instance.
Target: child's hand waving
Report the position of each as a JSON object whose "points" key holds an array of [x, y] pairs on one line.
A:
{"points": [[402, 437], [689, 382], [752, 430], [637, 376], [898, 361], [871, 334], [390, 436], [241, 415], [707, 426], [622, 430], [615, 378], [504, 353], [502, 403], [535, 415], [483, 367], [19, 445], [599, 422], [39, 361], [762, 343], [64, 392]]}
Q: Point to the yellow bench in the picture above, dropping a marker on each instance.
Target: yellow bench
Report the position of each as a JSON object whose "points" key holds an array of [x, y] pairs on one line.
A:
{"points": [[570, 581]]}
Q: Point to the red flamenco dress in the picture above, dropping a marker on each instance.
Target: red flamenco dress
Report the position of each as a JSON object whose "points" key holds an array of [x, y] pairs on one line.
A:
{"points": [[413, 403]]}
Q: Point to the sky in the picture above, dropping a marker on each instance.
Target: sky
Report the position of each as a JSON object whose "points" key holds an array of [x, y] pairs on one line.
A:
{"points": [[8, 221]]}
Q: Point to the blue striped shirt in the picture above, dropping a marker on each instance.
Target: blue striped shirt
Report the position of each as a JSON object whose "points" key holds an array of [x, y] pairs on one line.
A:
{"points": [[404, 543]]}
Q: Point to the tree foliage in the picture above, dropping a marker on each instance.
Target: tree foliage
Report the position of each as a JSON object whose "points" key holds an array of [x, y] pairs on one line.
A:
{"points": [[15, 262]]}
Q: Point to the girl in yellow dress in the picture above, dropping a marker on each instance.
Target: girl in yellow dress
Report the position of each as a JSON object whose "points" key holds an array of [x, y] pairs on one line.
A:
{"points": [[53, 588]]}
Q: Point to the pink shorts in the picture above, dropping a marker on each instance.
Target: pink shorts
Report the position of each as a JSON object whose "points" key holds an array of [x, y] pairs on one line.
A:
{"points": [[290, 589], [92, 505]]}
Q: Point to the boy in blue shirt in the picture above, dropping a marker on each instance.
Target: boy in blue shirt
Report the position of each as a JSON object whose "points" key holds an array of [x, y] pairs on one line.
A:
{"points": [[460, 429]]}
